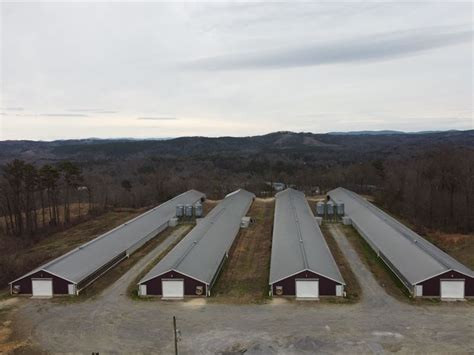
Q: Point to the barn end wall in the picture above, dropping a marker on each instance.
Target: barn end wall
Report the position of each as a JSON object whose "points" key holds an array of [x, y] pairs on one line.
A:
{"points": [[327, 287], [431, 287], [153, 286], [60, 286]]}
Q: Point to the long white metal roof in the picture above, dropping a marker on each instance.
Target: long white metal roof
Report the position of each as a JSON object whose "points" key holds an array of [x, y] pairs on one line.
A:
{"points": [[298, 243], [412, 255], [201, 251], [86, 259]]}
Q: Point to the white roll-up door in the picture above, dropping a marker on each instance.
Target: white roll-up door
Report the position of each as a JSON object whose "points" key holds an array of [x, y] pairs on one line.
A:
{"points": [[143, 290], [173, 288], [42, 288], [307, 289], [452, 289]]}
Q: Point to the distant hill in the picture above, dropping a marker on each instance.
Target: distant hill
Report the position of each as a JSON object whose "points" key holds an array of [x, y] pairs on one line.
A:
{"points": [[325, 147], [384, 132]]}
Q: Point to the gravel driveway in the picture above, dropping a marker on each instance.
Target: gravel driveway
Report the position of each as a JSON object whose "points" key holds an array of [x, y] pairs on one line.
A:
{"points": [[112, 323]]}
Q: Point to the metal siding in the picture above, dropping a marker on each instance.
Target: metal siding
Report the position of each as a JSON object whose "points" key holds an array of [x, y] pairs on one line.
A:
{"points": [[431, 287], [327, 287], [60, 286], [154, 285]]}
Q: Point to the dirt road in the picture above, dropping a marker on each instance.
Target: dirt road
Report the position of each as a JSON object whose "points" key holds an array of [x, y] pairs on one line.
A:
{"points": [[113, 323]]}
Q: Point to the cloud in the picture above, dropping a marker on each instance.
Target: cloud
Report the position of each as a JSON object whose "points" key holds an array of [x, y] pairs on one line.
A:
{"points": [[378, 47], [63, 115], [12, 109], [92, 110], [157, 118]]}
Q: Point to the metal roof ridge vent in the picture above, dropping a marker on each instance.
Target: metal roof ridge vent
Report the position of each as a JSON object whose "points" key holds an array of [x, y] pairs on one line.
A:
{"points": [[300, 235]]}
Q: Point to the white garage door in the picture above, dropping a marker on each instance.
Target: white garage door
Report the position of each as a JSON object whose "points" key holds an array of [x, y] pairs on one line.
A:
{"points": [[173, 288], [42, 288], [307, 289], [452, 289]]}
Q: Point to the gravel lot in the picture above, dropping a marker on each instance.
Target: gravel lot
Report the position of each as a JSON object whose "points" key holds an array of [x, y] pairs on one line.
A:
{"points": [[113, 323]]}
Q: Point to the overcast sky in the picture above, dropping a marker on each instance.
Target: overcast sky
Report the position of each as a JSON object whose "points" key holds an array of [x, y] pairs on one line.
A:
{"points": [[71, 70]]}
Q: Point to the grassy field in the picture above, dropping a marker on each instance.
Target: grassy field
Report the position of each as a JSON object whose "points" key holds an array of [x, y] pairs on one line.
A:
{"points": [[244, 277], [352, 288]]}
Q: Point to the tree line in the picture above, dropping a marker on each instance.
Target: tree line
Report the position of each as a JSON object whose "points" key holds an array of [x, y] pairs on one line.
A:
{"points": [[33, 198]]}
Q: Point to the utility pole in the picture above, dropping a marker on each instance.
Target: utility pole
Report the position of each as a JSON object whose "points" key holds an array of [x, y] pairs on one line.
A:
{"points": [[175, 336]]}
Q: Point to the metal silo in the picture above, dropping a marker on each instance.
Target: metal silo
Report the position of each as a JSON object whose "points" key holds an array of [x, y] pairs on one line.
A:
{"points": [[340, 209], [188, 210], [320, 208], [198, 210], [179, 211], [330, 208]]}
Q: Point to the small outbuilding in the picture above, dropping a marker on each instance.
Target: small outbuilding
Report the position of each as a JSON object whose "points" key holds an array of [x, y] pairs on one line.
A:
{"points": [[302, 265], [73, 271], [424, 269], [192, 267]]}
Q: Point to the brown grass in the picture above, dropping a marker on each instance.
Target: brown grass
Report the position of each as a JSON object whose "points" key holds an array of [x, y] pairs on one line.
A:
{"points": [[76, 210], [244, 277], [208, 205], [459, 246], [352, 288]]}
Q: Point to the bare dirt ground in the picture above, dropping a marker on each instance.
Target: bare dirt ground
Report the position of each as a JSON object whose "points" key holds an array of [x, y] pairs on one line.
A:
{"points": [[244, 278], [114, 323]]}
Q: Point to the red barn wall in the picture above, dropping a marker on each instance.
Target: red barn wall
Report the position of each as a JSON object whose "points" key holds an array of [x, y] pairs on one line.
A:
{"points": [[153, 286], [60, 286], [327, 287], [431, 287]]}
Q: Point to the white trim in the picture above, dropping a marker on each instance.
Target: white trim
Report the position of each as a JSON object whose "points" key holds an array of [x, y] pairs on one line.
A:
{"points": [[179, 272], [441, 273], [35, 271], [317, 273]]}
